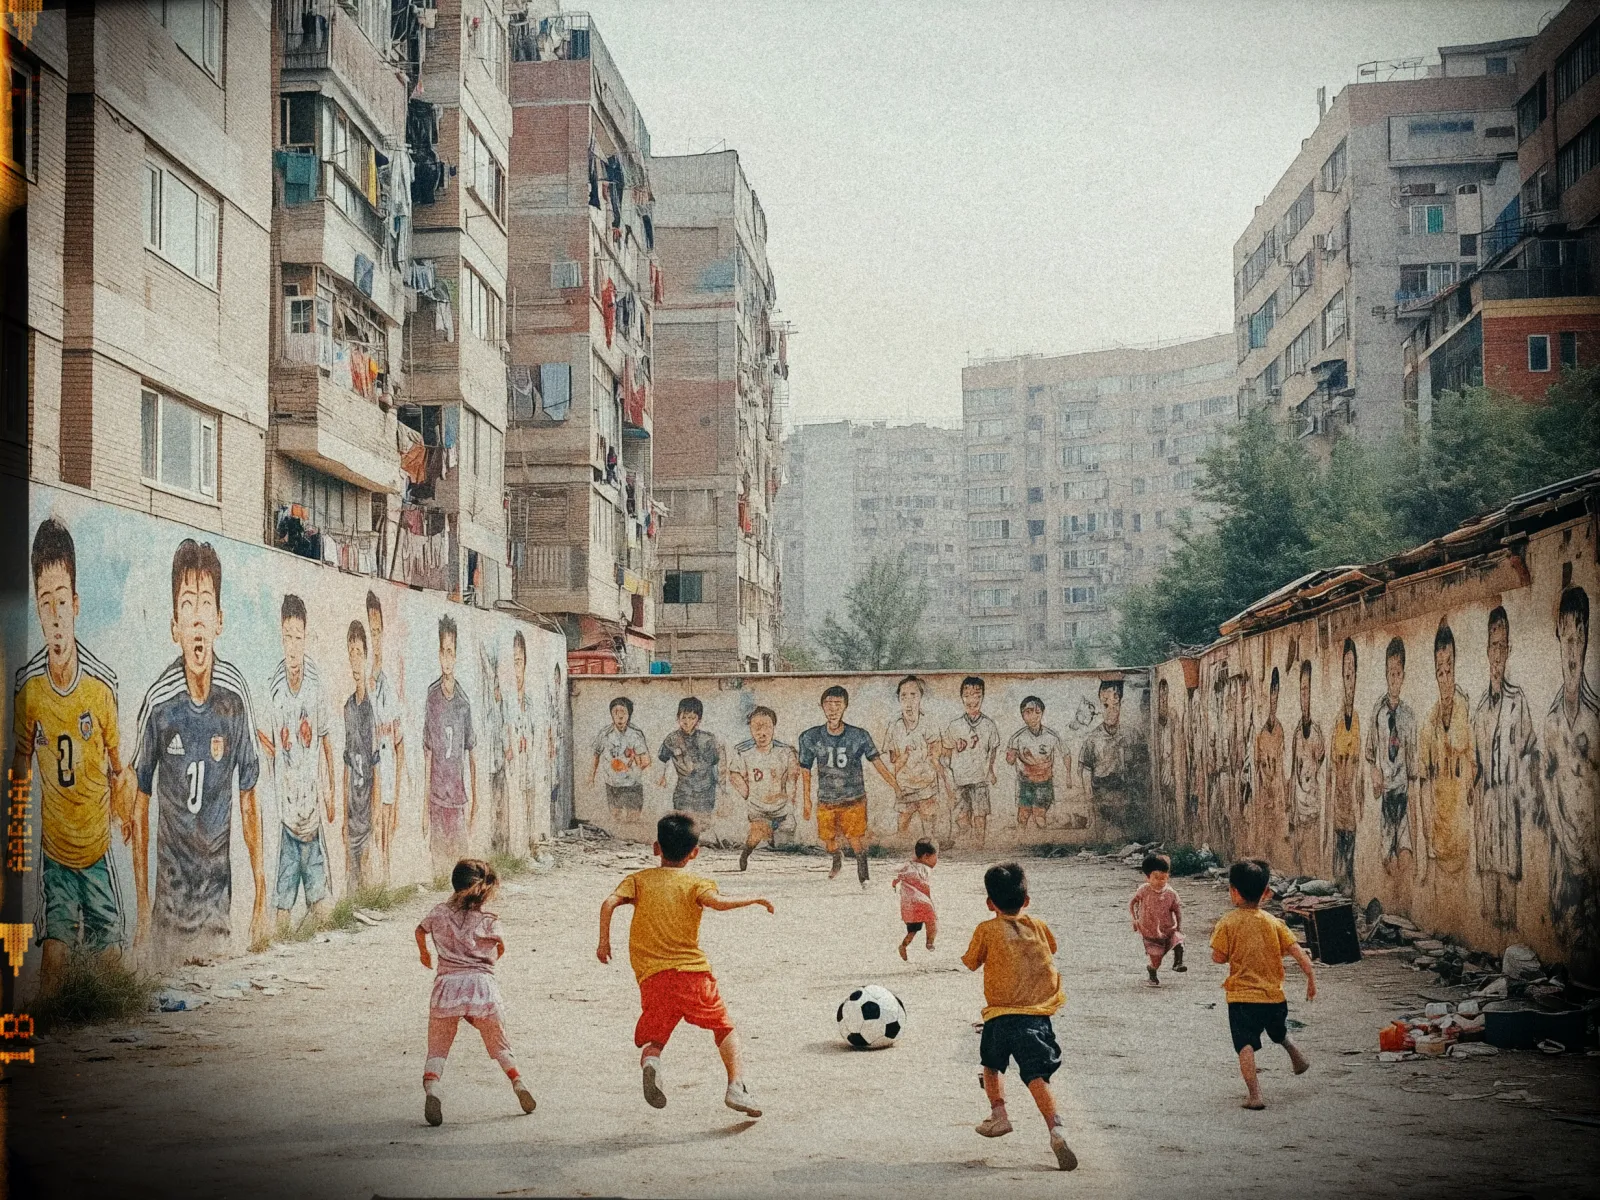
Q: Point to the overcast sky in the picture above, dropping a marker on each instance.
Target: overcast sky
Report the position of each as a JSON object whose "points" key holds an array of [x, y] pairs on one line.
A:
{"points": [[945, 179]]}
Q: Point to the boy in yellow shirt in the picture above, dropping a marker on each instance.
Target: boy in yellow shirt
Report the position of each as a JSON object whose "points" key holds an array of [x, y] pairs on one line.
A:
{"points": [[675, 980], [1253, 944], [1021, 988]]}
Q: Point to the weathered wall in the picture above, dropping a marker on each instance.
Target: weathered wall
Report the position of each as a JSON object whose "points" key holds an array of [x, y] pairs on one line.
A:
{"points": [[1499, 793], [125, 621], [1105, 807]]}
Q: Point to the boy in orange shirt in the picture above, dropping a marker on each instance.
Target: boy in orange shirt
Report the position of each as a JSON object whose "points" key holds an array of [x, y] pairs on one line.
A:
{"points": [[1253, 944], [1021, 988], [675, 980]]}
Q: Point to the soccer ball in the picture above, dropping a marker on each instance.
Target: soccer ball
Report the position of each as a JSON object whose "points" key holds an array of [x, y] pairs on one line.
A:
{"points": [[871, 1018]]}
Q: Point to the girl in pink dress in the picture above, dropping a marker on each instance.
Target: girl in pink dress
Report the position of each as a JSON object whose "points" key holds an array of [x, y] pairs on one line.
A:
{"points": [[915, 882], [469, 942], [1158, 916]]}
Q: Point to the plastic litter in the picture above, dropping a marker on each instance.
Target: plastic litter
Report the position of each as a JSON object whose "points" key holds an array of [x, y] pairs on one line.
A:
{"points": [[1519, 962]]}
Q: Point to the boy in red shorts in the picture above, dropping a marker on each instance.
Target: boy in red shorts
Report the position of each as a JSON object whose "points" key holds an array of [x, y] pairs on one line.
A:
{"points": [[675, 980]]}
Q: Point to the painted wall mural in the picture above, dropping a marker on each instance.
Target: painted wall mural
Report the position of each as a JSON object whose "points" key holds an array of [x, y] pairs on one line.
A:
{"points": [[223, 737], [1439, 751], [993, 760]]}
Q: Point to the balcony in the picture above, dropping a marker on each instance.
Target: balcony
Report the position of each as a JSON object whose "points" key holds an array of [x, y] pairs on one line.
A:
{"points": [[334, 428], [1537, 283], [326, 35]]}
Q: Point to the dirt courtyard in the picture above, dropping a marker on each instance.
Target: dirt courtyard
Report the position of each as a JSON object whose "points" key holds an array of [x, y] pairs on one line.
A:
{"points": [[311, 1084]]}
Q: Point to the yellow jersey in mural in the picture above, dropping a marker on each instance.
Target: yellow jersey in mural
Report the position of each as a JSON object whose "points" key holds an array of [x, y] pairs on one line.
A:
{"points": [[72, 733], [1346, 776], [1448, 767]]}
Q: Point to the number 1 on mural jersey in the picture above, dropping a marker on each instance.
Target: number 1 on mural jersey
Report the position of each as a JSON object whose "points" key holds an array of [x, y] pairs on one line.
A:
{"points": [[66, 775], [196, 771]]}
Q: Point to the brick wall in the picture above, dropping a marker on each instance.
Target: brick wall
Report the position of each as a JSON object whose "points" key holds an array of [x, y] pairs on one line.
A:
{"points": [[1505, 348]]}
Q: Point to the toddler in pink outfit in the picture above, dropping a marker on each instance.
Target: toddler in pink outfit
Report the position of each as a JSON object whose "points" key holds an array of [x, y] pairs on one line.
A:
{"points": [[468, 942], [1158, 916], [915, 883]]}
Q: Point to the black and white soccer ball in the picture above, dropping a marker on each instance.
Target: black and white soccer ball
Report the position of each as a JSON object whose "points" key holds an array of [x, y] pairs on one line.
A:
{"points": [[871, 1017]]}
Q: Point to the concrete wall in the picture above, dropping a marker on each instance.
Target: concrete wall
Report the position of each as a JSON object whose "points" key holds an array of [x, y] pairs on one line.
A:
{"points": [[125, 620], [1502, 846], [1084, 811]]}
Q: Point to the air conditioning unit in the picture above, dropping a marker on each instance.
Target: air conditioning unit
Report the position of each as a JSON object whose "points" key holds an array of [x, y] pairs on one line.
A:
{"points": [[1408, 190], [1274, 393]]}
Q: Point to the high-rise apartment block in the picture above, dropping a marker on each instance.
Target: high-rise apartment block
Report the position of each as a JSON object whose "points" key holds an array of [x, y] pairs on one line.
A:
{"points": [[1382, 209], [719, 357], [856, 492], [1079, 470], [584, 283]]}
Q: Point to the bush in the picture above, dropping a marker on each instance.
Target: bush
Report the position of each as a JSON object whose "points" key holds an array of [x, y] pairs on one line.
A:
{"points": [[95, 988], [1187, 860]]}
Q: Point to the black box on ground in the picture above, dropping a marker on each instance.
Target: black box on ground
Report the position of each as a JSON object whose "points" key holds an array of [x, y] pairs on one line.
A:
{"points": [[1331, 934]]}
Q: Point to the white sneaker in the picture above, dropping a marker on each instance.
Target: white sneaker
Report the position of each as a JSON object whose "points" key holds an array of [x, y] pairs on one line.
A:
{"points": [[653, 1095], [739, 1099]]}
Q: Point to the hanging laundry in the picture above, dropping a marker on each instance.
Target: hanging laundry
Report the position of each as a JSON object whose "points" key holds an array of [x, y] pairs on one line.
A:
{"points": [[362, 274], [657, 284], [594, 179], [614, 185], [608, 309], [414, 462], [452, 425], [649, 231]]}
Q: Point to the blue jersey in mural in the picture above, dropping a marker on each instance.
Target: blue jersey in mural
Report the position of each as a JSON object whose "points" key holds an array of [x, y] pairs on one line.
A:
{"points": [[837, 760]]}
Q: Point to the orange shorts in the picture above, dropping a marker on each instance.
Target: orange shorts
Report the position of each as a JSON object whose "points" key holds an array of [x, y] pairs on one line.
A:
{"points": [[846, 820], [668, 997]]}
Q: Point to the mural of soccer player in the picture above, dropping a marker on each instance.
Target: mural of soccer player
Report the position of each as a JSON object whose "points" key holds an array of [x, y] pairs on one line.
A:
{"points": [[1507, 753], [1033, 751], [555, 772], [1392, 761], [1218, 817], [448, 761], [1447, 766], [196, 740], [1110, 769], [362, 785], [764, 771], [65, 714], [621, 749], [696, 759], [520, 736], [1308, 749], [1269, 798], [493, 727], [386, 710], [1167, 742], [971, 743], [298, 742], [1193, 764], [1346, 792], [1571, 744], [836, 752], [913, 745]]}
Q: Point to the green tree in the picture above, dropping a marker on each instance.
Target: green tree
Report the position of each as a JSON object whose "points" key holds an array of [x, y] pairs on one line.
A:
{"points": [[883, 609], [800, 657]]}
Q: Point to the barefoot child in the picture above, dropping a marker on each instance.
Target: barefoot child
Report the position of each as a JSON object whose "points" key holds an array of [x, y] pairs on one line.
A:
{"points": [[468, 942], [675, 980], [1158, 916], [916, 894], [1253, 944], [1021, 988]]}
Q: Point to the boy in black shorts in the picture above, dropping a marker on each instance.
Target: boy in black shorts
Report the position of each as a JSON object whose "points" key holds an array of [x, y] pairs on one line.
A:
{"points": [[1021, 988]]}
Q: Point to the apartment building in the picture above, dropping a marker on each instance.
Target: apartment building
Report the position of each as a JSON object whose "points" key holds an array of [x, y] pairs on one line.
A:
{"points": [[1079, 470], [718, 359], [1530, 311], [584, 283], [163, 313], [1380, 211], [339, 277], [453, 421], [854, 492]]}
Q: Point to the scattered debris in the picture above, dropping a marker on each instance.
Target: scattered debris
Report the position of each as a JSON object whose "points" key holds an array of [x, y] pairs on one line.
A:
{"points": [[1519, 962], [169, 1000]]}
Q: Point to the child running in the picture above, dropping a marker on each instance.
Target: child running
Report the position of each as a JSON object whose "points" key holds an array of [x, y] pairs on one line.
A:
{"points": [[675, 980], [916, 894], [1158, 916], [468, 942], [1021, 988], [1253, 944]]}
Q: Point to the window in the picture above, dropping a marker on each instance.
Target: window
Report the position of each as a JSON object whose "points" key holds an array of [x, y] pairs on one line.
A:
{"points": [[180, 223], [1334, 324], [1267, 382], [178, 444], [991, 427], [486, 178], [1469, 245], [1080, 595], [1569, 350], [1036, 495], [1036, 562], [1036, 529], [1538, 192], [1577, 65], [1138, 486], [1538, 352], [196, 25], [1298, 356], [988, 599], [1427, 218], [1161, 518], [1138, 522], [682, 587], [1301, 276], [480, 306], [1333, 169], [985, 530], [331, 505], [992, 463], [985, 497], [1261, 322], [566, 274], [1436, 127], [1424, 279], [996, 560], [1578, 157], [1299, 213], [489, 47], [1531, 110], [1496, 64], [21, 101]]}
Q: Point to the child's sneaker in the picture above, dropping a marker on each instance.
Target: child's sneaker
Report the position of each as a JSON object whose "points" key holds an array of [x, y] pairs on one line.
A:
{"points": [[739, 1099], [524, 1096], [838, 865], [1065, 1158], [432, 1110], [653, 1095], [1177, 959], [993, 1126], [1155, 977]]}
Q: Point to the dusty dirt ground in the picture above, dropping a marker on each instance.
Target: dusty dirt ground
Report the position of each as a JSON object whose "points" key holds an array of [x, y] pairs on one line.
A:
{"points": [[315, 1091]]}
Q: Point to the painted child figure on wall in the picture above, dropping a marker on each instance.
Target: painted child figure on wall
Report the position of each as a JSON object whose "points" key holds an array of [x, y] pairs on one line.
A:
{"points": [[387, 711], [1033, 752], [65, 716], [1307, 750], [1447, 768], [1571, 775], [696, 760], [448, 760], [765, 772], [520, 738], [362, 783], [1168, 740], [836, 753], [913, 745], [1109, 765], [971, 742], [1346, 791], [624, 754], [1392, 760], [1507, 751], [1271, 805]]}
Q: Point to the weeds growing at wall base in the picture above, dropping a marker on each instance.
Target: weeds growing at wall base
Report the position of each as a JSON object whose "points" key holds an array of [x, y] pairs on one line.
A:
{"points": [[95, 988]]}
